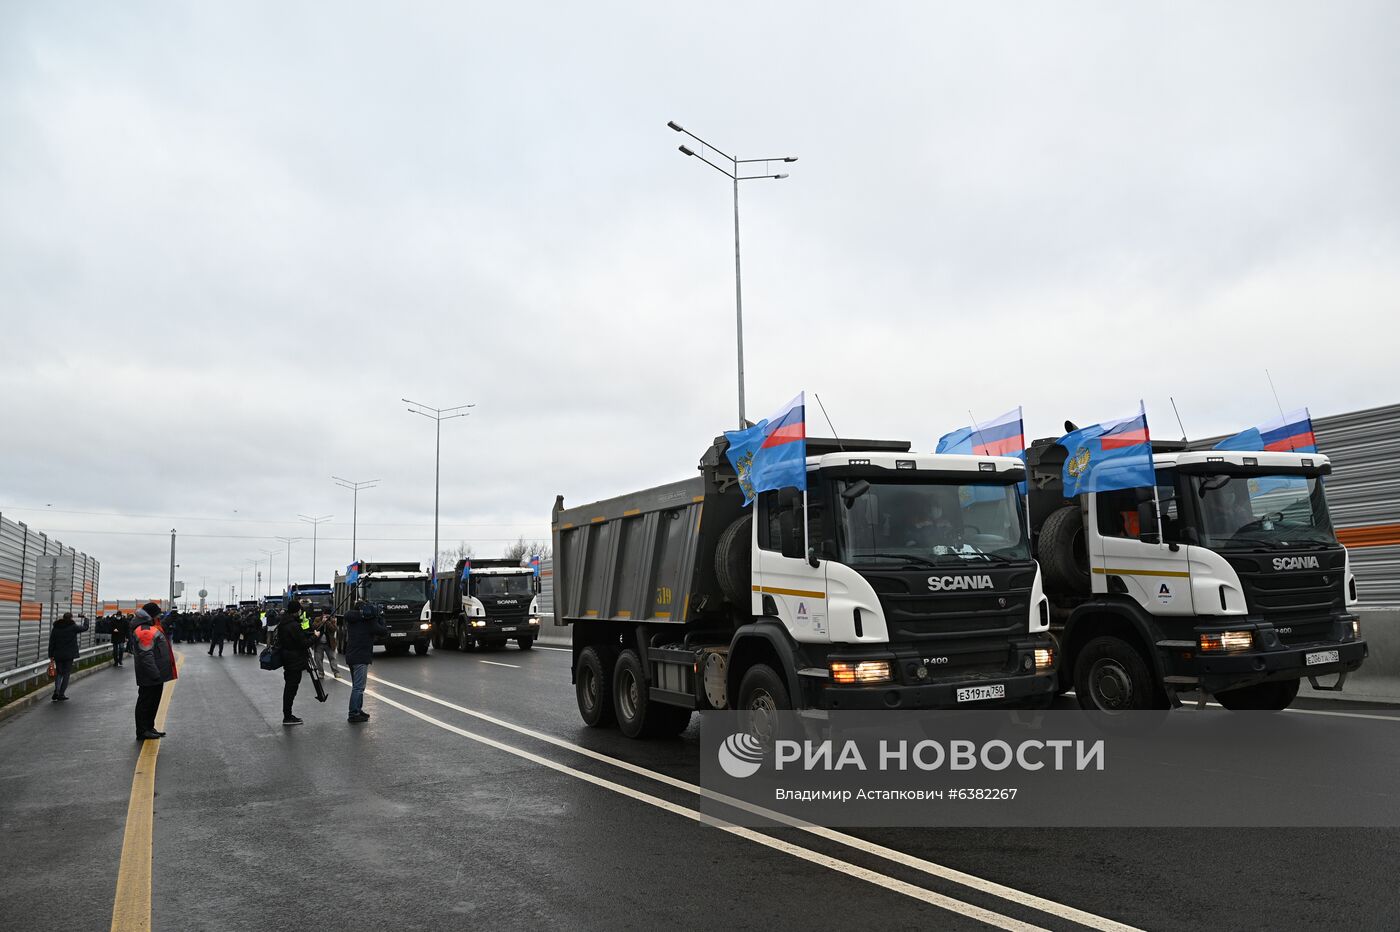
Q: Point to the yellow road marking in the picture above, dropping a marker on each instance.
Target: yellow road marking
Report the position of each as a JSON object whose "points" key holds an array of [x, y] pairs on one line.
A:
{"points": [[131, 909]]}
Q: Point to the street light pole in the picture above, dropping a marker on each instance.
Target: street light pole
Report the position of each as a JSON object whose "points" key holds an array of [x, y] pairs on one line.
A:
{"points": [[269, 554], [438, 415], [355, 508], [315, 529], [172, 567], [733, 174], [288, 541]]}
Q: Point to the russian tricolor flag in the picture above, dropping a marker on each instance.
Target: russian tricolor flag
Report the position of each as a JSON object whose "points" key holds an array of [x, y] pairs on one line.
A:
{"points": [[1003, 436], [1292, 433], [773, 453]]}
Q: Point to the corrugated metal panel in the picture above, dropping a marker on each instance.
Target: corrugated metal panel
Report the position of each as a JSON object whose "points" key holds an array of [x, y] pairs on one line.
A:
{"points": [[1363, 494], [25, 615]]}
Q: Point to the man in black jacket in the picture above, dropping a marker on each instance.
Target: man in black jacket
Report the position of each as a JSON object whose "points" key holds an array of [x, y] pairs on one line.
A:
{"points": [[121, 630], [63, 650], [294, 640], [362, 624], [155, 666]]}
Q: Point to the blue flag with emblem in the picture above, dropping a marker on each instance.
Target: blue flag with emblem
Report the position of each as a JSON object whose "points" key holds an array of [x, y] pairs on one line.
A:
{"points": [[1107, 456], [352, 574], [466, 570], [773, 453]]}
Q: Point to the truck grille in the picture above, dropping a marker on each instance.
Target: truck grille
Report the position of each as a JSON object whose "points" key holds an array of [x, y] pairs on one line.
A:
{"points": [[925, 616], [1298, 603]]}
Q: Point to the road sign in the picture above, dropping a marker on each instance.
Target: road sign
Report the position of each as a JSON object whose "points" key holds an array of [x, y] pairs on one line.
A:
{"points": [[53, 574]]}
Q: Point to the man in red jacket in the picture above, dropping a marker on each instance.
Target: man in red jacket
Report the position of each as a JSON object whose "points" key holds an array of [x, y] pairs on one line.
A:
{"points": [[155, 666]]}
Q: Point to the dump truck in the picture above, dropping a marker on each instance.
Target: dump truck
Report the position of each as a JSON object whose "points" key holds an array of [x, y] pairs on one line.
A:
{"points": [[486, 603], [400, 591], [319, 595], [897, 580], [1226, 579]]}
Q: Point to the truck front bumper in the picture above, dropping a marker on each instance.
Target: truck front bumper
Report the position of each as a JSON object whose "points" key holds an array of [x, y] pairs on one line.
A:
{"points": [[1018, 683], [1219, 672]]}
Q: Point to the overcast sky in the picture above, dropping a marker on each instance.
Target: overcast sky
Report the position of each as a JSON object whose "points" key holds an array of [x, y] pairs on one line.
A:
{"points": [[232, 236]]}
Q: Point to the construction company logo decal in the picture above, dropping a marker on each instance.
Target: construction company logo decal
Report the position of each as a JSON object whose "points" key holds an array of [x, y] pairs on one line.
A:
{"points": [[1297, 563], [740, 755], [951, 583], [1078, 464], [1164, 593]]}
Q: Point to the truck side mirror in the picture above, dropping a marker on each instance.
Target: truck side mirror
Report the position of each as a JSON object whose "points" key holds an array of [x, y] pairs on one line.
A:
{"points": [[854, 491], [1147, 522]]}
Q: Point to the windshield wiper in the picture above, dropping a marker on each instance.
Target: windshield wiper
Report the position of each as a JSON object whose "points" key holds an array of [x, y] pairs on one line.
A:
{"points": [[916, 559], [993, 557]]}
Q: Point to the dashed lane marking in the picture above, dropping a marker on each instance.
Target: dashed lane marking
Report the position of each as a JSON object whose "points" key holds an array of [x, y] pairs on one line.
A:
{"points": [[1011, 894], [893, 884], [497, 663]]}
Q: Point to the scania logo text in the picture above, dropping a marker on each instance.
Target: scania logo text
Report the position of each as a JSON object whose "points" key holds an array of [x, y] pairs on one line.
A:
{"points": [[1297, 563], [951, 583]]}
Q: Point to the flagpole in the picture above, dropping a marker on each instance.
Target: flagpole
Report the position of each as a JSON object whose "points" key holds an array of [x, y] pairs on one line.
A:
{"points": [[1156, 500]]}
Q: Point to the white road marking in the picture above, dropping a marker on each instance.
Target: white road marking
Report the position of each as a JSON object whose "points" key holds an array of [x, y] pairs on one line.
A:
{"points": [[567, 650], [851, 870], [1190, 707], [496, 663], [931, 868]]}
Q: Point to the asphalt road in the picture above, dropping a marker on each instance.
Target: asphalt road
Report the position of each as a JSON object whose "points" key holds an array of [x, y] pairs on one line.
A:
{"points": [[475, 798]]}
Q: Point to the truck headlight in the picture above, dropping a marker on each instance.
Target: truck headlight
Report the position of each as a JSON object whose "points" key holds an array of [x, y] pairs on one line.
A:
{"points": [[865, 673], [424, 626], [478, 623], [1226, 641], [534, 621], [1356, 627], [1044, 658]]}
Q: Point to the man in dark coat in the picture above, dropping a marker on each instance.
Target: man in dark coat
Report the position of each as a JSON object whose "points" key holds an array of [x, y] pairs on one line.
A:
{"points": [[362, 625], [63, 651], [121, 630], [214, 627], [155, 666], [294, 640]]}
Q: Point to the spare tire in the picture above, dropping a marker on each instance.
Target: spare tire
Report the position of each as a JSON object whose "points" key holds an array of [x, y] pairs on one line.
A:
{"points": [[1064, 553], [733, 560]]}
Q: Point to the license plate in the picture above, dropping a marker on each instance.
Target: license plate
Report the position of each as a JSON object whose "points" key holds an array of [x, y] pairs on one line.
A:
{"points": [[978, 693], [398, 634], [1322, 656], [511, 628]]}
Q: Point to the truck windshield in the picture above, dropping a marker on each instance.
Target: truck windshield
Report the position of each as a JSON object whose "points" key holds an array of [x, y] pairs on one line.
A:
{"points": [[503, 585], [396, 590], [931, 523], [1252, 511]]}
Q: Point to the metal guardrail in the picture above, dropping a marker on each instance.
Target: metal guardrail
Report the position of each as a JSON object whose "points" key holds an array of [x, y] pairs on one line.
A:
{"points": [[22, 676]]}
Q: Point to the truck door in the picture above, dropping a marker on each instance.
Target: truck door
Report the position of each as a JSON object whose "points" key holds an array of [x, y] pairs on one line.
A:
{"points": [[788, 586], [1156, 575]]}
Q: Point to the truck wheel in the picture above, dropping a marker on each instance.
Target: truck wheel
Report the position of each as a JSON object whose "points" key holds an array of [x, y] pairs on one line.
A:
{"points": [[437, 638], [420, 648], [1111, 676], [733, 560], [464, 641], [593, 688], [1063, 551], [525, 643], [1261, 697], [762, 695]]}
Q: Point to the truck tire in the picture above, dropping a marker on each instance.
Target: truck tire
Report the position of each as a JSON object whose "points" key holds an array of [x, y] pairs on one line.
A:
{"points": [[525, 643], [437, 638], [464, 640], [593, 687], [1261, 697], [637, 715], [1110, 675], [762, 694], [420, 648], [1064, 553], [733, 560]]}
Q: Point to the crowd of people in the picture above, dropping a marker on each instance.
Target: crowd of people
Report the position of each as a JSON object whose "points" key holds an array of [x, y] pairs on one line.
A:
{"points": [[299, 639]]}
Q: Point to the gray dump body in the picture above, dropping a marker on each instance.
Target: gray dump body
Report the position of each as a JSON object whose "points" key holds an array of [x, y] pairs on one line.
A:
{"points": [[644, 557]]}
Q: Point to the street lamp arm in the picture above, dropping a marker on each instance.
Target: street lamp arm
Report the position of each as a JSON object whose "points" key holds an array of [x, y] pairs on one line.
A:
{"points": [[723, 171], [757, 177], [680, 129], [781, 158]]}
